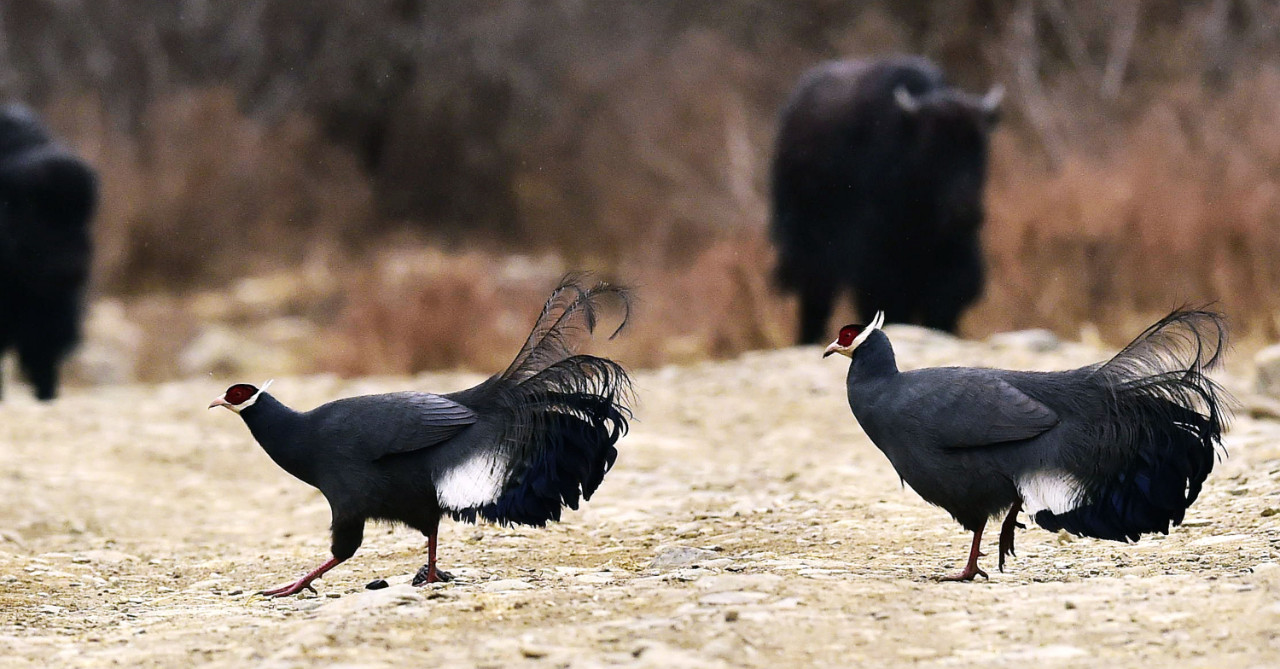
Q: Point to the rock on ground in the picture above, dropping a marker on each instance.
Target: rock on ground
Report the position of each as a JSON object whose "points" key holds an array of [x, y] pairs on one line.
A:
{"points": [[748, 523]]}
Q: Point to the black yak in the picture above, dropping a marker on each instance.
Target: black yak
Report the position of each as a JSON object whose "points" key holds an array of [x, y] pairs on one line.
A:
{"points": [[877, 185], [47, 196]]}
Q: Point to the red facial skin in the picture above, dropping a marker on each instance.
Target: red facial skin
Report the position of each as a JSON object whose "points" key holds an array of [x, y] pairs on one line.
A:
{"points": [[235, 396], [848, 333], [239, 393]]}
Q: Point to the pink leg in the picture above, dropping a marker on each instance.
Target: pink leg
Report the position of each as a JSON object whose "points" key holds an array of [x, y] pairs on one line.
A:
{"points": [[303, 583], [429, 573], [971, 569]]}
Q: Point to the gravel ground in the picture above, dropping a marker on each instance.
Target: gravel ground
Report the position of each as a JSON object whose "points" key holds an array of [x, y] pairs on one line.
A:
{"points": [[748, 523]]}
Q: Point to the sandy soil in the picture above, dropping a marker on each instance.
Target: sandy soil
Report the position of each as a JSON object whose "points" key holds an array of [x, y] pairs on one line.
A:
{"points": [[748, 523]]}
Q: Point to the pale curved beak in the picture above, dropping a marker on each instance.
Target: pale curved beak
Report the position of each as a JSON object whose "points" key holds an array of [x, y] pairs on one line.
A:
{"points": [[833, 348], [219, 403]]}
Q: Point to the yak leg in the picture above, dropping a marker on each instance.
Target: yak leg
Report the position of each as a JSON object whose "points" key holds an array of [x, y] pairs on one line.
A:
{"points": [[957, 283], [40, 366], [816, 300]]}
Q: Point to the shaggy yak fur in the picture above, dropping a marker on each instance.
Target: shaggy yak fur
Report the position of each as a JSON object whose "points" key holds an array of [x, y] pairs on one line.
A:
{"points": [[47, 196], [877, 185]]}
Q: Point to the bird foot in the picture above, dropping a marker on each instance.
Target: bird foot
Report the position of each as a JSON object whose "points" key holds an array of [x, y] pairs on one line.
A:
{"points": [[291, 589], [429, 575], [967, 575], [303, 583]]}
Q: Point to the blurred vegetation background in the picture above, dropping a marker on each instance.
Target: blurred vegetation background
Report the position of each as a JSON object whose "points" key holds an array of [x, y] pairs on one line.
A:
{"points": [[393, 185]]}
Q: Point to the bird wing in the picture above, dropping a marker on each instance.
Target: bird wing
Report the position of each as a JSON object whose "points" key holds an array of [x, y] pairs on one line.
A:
{"points": [[423, 420], [979, 408]]}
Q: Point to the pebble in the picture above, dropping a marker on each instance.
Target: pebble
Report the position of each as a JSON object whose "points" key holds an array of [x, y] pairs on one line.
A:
{"points": [[1220, 539], [680, 556], [732, 598], [368, 600], [506, 585], [688, 530]]}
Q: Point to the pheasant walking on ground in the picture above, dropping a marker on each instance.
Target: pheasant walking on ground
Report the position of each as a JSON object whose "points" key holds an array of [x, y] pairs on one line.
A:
{"points": [[514, 449], [1113, 450]]}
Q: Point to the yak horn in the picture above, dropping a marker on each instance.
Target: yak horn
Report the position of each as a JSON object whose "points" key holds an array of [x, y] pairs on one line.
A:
{"points": [[905, 100], [991, 101]]}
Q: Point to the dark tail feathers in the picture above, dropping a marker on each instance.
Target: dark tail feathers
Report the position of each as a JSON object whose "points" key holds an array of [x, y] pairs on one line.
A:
{"points": [[1165, 426], [565, 412]]}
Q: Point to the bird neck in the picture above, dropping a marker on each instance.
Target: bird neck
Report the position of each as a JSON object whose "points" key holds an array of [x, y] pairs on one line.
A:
{"points": [[278, 429], [874, 359]]}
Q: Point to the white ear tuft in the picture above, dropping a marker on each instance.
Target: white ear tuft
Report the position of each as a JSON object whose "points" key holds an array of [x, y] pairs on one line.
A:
{"points": [[874, 325], [250, 402]]}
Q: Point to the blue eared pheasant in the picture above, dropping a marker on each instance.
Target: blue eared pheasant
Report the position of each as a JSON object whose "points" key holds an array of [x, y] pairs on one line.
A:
{"points": [[1113, 450], [514, 449]]}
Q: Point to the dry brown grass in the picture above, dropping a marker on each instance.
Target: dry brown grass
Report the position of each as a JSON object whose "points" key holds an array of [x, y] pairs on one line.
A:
{"points": [[200, 194], [661, 182], [1183, 206]]}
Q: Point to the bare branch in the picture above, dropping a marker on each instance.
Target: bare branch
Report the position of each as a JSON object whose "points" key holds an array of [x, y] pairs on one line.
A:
{"points": [[1073, 39], [1122, 37], [1023, 50]]}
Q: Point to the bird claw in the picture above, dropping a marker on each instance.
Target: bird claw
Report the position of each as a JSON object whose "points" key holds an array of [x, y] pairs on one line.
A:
{"points": [[287, 590], [967, 575], [423, 577]]}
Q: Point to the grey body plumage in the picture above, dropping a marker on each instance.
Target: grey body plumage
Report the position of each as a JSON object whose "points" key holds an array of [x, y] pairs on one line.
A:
{"points": [[1113, 450], [515, 449]]}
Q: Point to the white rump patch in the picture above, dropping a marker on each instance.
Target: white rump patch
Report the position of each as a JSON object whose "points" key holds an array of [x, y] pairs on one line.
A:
{"points": [[1056, 491], [475, 482]]}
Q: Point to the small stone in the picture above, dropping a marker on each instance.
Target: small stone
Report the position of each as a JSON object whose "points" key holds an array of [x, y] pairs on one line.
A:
{"points": [[506, 585], [732, 598], [1220, 539], [532, 651], [680, 556], [731, 615], [688, 530], [1269, 512], [376, 584]]}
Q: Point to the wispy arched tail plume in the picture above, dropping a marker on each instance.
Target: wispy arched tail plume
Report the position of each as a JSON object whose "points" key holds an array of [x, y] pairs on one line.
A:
{"points": [[565, 410], [1164, 424]]}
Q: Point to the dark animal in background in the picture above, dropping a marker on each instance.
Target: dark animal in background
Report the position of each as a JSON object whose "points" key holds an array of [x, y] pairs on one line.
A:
{"points": [[877, 185], [1112, 451], [47, 198], [514, 449]]}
